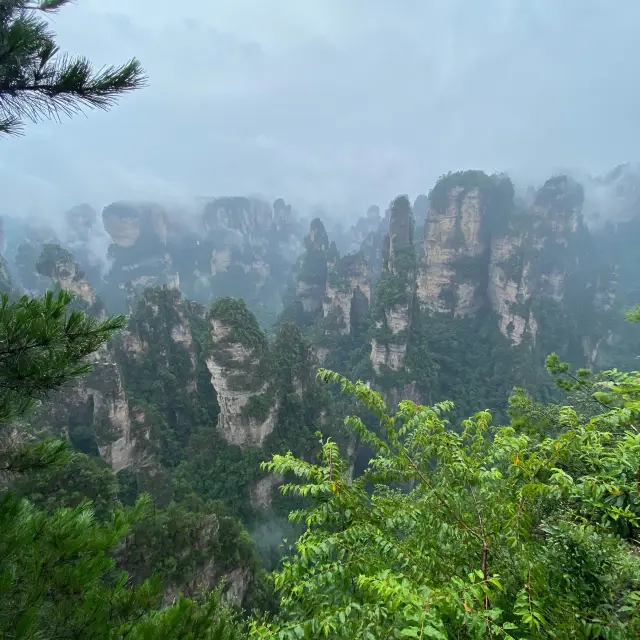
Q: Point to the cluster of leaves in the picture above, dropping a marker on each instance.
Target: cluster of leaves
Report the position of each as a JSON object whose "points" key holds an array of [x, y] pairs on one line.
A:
{"points": [[490, 532]]}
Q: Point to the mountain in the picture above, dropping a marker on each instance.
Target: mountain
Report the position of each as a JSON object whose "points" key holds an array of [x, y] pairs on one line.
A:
{"points": [[231, 310]]}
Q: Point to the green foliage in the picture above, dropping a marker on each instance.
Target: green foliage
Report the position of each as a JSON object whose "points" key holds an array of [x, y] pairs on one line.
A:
{"points": [[6, 283], [168, 380], [258, 407], [342, 269], [395, 287], [37, 82], [176, 543], [53, 256], [215, 470], [634, 315], [466, 180], [59, 580], [487, 532], [71, 484], [241, 328], [42, 346]]}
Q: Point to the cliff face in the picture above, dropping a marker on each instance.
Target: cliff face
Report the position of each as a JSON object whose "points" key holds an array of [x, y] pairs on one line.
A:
{"points": [[311, 281], [131, 223], [58, 264], [241, 219], [348, 291], [483, 252], [93, 414], [139, 255], [532, 259], [394, 296], [233, 247], [456, 244], [238, 363], [364, 226], [511, 286]]}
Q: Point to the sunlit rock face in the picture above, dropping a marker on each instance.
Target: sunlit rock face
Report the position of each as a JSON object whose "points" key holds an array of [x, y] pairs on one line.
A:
{"points": [[456, 245]]}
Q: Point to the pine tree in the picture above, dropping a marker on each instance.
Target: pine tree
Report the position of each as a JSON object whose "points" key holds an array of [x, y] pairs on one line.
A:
{"points": [[37, 81], [43, 346]]}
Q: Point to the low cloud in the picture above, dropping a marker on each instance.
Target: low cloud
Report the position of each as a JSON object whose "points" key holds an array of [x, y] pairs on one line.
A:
{"points": [[333, 103]]}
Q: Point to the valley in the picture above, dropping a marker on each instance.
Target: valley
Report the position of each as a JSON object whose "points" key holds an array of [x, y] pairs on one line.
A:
{"points": [[229, 313]]}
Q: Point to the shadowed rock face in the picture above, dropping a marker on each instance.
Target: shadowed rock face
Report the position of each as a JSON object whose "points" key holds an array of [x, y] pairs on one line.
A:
{"points": [[394, 297], [348, 290], [81, 220], [58, 264], [128, 223]]}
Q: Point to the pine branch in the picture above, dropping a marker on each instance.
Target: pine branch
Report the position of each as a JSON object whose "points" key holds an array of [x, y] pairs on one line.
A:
{"points": [[49, 6], [37, 82]]}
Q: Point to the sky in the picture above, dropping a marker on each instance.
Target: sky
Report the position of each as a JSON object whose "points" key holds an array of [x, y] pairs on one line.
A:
{"points": [[334, 103]]}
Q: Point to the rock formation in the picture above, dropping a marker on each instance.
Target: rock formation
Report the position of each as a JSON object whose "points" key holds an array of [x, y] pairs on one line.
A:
{"points": [[348, 291], [139, 250], [311, 278], [93, 414], [238, 363], [394, 296], [456, 244], [58, 264]]}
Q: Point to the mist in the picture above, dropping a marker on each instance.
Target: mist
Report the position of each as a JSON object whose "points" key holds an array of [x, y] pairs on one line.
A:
{"points": [[334, 104]]}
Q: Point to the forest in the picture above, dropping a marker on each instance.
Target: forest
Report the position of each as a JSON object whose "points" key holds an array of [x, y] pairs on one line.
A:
{"points": [[264, 425]]}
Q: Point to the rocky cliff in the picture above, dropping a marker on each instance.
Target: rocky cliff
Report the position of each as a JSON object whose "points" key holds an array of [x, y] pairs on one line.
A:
{"points": [[348, 291], [93, 414], [138, 253], [456, 242], [394, 297], [59, 265], [238, 362], [486, 252], [311, 272], [232, 247]]}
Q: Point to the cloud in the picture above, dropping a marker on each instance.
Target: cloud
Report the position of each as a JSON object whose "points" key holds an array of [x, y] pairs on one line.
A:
{"points": [[334, 103]]}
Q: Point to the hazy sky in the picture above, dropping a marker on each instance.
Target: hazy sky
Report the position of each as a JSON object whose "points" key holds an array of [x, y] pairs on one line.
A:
{"points": [[339, 102]]}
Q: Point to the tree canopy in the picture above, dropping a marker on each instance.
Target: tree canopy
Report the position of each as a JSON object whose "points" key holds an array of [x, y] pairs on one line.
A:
{"points": [[487, 532]]}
